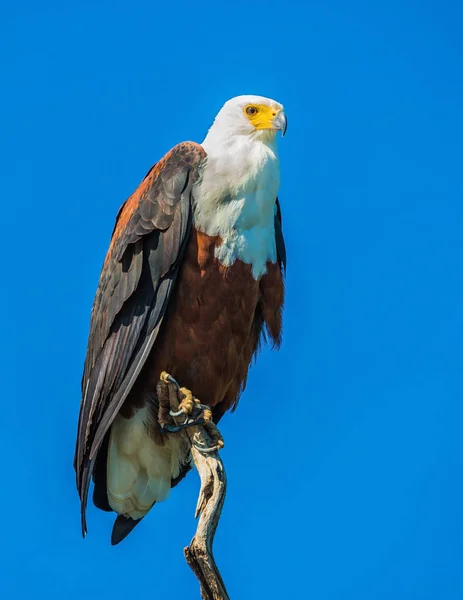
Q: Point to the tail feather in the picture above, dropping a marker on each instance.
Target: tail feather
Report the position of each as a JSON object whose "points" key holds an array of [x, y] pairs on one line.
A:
{"points": [[122, 527]]}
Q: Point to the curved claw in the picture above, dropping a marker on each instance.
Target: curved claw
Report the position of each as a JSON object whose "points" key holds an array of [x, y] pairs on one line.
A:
{"points": [[172, 428], [168, 379], [177, 414], [215, 448], [176, 428]]}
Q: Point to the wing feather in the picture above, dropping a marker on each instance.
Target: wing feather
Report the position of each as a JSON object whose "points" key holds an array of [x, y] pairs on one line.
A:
{"points": [[136, 281], [279, 238]]}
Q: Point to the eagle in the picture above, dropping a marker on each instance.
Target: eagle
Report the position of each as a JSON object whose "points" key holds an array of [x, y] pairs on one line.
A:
{"points": [[192, 284]]}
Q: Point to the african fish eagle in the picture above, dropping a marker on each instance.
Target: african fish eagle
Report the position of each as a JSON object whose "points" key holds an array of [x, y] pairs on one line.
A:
{"points": [[191, 284]]}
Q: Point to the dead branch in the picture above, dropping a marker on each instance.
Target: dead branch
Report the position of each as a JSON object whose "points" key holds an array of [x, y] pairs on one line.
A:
{"points": [[199, 554]]}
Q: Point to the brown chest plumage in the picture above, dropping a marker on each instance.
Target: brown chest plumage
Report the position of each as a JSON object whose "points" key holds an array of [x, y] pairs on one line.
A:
{"points": [[212, 326]]}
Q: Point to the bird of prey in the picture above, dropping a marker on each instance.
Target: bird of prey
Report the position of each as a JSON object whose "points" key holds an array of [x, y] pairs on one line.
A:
{"points": [[192, 283]]}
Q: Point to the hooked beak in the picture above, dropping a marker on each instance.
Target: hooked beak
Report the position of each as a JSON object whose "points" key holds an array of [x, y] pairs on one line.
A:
{"points": [[281, 122]]}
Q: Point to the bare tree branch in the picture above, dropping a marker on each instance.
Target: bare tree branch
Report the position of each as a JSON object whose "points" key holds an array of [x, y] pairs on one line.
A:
{"points": [[199, 554]]}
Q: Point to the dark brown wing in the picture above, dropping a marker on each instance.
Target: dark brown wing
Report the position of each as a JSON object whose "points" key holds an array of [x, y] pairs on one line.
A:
{"points": [[133, 292], [279, 238], [268, 320]]}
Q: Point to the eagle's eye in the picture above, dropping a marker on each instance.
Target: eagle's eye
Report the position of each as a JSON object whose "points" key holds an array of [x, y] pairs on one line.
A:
{"points": [[252, 110]]}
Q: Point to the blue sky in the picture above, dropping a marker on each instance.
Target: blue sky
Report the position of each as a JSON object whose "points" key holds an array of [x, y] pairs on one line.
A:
{"points": [[345, 457]]}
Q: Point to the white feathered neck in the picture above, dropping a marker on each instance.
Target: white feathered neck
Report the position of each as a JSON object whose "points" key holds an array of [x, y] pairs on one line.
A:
{"points": [[235, 197]]}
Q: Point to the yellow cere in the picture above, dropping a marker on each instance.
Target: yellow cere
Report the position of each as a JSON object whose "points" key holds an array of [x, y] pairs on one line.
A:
{"points": [[261, 116]]}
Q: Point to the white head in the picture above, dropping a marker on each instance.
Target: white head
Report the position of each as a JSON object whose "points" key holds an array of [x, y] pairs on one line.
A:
{"points": [[253, 116]]}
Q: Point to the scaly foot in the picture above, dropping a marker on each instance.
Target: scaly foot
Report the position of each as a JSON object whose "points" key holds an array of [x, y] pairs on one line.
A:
{"points": [[195, 414]]}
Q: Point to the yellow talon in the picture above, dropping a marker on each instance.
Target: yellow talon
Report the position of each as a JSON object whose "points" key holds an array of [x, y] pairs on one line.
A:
{"points": [[207, 415], [195, 412], [188, 402]]}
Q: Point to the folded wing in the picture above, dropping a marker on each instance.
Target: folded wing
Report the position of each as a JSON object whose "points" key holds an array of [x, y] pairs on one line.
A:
{"points": [[135, 285]]}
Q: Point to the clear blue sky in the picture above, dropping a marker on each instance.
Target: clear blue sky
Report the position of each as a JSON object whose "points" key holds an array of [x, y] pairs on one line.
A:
{"points": [[345, 457]]}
